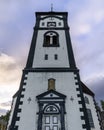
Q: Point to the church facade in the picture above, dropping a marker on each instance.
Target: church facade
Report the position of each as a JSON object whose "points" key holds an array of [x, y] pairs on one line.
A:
{"points": [[51, 95]]}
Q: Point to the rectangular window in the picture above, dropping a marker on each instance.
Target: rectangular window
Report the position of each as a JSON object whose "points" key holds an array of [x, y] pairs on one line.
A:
{"points": [[86, 100], [90, 118], [42, 23], [59, 23], [47, 128], [55, 127], [56, 56], [47, 119], [55, 119], [46, 57]]}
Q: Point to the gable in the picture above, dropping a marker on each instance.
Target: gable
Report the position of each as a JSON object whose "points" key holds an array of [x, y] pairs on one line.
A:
{"points": [[51, 94]]}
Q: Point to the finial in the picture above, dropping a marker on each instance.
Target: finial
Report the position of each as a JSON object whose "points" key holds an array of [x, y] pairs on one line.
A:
{"points": [[51, 7]]}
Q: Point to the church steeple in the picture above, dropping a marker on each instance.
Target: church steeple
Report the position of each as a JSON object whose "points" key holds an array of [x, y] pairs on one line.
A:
{"points": [[50, 96], [51, 44]]}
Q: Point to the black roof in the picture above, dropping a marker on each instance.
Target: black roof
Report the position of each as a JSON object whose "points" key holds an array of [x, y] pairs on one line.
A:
{"points": [[86, 90], [52, 13]]}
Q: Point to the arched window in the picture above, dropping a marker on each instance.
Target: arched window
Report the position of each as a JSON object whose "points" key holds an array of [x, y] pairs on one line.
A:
{"points": [[86, 100], [51, 39], [51, 109], [51, 115], [51, 118]]}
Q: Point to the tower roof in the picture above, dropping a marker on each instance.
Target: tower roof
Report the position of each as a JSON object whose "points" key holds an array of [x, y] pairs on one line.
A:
{"points": [[51, 13]]}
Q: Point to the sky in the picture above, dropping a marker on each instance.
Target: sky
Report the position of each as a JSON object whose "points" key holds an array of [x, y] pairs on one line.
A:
{"points": [[17, 19]]}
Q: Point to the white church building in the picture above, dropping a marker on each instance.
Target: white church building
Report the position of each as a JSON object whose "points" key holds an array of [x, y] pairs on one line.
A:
{"points": [[51, 95]]}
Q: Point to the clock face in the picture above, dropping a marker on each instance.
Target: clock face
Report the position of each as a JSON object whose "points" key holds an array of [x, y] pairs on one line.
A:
{"points": [[51, 24]]}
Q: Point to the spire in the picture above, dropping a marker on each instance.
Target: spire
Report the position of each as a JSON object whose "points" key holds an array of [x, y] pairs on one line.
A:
{"points": [[51, 7]]}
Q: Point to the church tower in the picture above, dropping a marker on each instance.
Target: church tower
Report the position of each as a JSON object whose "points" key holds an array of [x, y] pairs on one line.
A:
{"points": [[50, 96]]}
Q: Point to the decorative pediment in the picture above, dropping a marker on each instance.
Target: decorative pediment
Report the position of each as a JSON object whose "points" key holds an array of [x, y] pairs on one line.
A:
{"points": [[51, 94]]}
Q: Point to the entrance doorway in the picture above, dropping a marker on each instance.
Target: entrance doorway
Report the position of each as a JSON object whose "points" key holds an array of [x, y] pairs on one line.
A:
{"points": [[51, 122]]}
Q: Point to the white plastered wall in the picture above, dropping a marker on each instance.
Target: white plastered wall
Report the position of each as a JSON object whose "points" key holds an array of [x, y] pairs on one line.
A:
{"points": [[36, 84], [61, 51]]}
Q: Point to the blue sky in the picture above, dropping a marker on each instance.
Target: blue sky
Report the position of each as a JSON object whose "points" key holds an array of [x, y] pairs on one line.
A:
{"points": [[17, 19]]}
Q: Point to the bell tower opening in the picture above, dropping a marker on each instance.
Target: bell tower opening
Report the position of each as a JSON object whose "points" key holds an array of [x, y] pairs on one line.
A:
{"points": [[51, 39]]}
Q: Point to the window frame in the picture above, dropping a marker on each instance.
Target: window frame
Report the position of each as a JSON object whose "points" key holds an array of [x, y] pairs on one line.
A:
{"points": [[46, 44], [56, 57], [46, 57], [86, 100], [90, 118], [51, 84], [57, 111]]}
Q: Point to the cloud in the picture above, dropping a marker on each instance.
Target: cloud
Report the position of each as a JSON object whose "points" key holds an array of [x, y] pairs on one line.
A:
{"points": [[4, 107], [87, 14], [6, 104], [87, 32], [86, 20], [96, 84], [10, 73], [8, 69], [2, 111]]}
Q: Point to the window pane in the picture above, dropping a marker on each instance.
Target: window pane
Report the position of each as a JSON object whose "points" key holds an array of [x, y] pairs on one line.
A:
{"points": [[47, 119], [51, 39], [47, 128], [54, 40], [46, 57], [55, 127], [86, 100], [42, 23], [55, 119], [56, 56], [47, 40], [90, 118], [59, 23]]}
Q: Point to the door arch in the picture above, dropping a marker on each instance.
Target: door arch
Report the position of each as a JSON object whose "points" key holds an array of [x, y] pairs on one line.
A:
{"points": [[51, 118], [51, 114]]}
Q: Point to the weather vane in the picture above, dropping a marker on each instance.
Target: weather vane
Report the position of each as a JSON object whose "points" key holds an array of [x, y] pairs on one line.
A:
{"points": [[51, 7]]}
